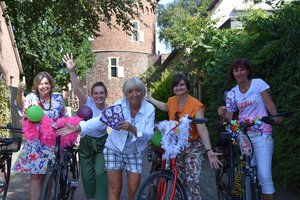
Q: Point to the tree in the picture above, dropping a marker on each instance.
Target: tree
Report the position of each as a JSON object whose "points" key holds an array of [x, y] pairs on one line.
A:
{"points": [[47, 29]]}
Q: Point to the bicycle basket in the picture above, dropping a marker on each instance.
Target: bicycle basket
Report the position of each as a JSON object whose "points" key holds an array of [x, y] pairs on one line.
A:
{"points": [[13, 147]]}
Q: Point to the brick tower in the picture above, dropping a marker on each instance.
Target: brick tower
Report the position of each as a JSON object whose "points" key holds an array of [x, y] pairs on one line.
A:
{"points": [[119, 56]]}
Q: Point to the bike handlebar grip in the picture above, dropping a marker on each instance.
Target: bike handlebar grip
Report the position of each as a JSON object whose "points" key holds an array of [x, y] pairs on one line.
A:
{"points": [[283, 114], [10, 128], [199, 121]]}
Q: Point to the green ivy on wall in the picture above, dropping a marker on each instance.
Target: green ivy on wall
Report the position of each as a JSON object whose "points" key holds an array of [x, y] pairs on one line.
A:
{"points": [[5, 114]]}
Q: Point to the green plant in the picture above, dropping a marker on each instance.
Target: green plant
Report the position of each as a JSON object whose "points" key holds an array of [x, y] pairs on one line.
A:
{"points": [[5, 114]]}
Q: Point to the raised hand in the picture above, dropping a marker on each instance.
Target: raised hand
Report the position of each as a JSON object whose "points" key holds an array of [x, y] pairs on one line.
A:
{"points": [[22, 86], [68, 60]]}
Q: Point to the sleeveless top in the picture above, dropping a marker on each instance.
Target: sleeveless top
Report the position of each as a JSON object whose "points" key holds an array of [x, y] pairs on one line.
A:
{"points": [[190, 107]]}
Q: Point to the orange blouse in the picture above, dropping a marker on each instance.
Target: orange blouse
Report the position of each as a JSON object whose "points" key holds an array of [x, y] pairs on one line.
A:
{"points": [[190, 107]]}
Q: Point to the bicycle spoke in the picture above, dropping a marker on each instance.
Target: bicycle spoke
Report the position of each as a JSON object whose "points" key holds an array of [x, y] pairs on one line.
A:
{"points": [[49, 187], [159, 185]]}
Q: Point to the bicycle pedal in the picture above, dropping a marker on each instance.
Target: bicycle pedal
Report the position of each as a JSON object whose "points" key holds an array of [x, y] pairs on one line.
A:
{"points": [[73, 182]]}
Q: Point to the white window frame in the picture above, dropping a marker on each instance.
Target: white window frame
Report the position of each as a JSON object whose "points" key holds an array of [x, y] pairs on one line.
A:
{"points": [[119, 69], [137, 35]]}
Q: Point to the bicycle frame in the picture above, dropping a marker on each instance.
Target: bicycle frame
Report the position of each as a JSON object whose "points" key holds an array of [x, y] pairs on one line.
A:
{"points": [[250, 184], [156, 186], [58, 164], [162, 185], [7, 147]]}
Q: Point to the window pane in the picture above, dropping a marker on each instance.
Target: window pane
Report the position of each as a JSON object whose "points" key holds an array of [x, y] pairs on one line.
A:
{"points": [[135, 36], [113, 61], [113, 71], [135, 26]]}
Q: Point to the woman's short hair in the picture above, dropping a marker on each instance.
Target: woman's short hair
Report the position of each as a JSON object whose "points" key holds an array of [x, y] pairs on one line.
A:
{"points": [[240, 62], [99, 84], [133, 83], [176, 80], [38, 79]]}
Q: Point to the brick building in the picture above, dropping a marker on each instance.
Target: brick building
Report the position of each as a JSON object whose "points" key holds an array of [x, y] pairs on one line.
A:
{"points": [[10, 63], [119, 55]]}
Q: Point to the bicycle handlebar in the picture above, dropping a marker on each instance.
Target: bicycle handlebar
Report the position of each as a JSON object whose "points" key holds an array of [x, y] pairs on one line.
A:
{"points": [[199, 120], [267, 119], [11, 128]]}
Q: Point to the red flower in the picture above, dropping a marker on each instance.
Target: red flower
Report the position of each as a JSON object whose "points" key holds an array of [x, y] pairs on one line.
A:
{"points": [[32, 157]]}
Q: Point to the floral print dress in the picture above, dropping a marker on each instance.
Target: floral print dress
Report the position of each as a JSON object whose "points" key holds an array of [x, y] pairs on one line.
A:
{"points": [[33, 157]]}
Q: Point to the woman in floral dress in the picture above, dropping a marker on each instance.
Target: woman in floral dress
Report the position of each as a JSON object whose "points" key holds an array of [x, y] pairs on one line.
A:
{"points": [[33, 158]]}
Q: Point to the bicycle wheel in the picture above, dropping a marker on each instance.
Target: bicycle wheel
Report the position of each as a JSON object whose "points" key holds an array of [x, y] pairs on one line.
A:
{"points": [[50, 189], [247, 188], [5, 166], [70, 175], [225, 185], [160, 184], [225, 175], [73, 176]]}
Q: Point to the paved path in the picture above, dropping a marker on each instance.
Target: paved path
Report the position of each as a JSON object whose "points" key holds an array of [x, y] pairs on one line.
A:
{"points": [[18, 189]]}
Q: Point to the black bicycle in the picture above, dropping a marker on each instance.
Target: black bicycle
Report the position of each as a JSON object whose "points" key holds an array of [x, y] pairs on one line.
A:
{"points": [[163, 182], [238, 179], [62, 177], [7, 147]]}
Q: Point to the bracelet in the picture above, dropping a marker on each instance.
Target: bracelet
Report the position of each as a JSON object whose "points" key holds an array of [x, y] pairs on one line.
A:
{"points": [[207, 150]]}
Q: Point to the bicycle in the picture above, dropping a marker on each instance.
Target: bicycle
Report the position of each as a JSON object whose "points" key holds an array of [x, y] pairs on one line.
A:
{"points": [[164, 183], [62, 176], [239, 181], [7, 147]]}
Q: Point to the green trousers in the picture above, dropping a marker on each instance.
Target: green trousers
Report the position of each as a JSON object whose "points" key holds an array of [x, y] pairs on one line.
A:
{"points": [[92, 165]]}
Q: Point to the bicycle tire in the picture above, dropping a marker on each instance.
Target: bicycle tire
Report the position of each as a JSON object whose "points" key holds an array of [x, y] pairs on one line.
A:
{"points": [[5, 175], [148, 190], [247, 188], [50, 188], [73, 176], [224, 187]]}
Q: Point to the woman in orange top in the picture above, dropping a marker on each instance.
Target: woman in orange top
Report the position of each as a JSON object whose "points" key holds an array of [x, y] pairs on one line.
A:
{"points": [[189, 161]]}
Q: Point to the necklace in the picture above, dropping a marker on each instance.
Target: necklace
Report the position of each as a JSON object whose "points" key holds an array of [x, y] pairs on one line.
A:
{"points": [[42, 105]]}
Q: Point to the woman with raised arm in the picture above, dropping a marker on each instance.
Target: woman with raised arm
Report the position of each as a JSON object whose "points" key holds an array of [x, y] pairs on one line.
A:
{"points": [[93, 173], [34, 156], [125, 144], [189, 161], [251, 98]]}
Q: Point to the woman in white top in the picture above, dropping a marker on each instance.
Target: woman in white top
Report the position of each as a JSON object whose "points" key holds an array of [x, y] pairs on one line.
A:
{"points": [[252, 99], [93, 173], [124, 147]]}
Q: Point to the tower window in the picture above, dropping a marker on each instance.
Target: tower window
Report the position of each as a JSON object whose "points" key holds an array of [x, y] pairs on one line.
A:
{"points": [[113, 67], [135, 31], [113, 71]]}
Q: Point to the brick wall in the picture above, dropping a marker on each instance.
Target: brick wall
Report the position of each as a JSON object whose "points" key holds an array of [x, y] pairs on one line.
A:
{"points": [[133, 56], [115, 39], [134, 64]]}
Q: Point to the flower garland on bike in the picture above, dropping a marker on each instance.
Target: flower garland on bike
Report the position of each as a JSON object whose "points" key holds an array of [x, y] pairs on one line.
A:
{"points": [[175, 136]]}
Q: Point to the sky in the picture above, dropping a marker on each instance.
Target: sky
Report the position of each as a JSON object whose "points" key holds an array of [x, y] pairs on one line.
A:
{"points": [[160, 46]]}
